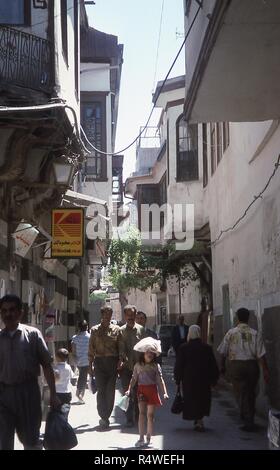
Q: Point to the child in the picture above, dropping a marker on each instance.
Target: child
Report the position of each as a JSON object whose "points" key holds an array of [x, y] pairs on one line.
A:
{"points": [[147, 375], [63, 376]]}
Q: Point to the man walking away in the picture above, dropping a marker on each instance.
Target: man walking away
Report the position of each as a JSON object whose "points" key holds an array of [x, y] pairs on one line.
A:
{"points": [[131, 333], [104, 359], [22, 352], [179, 333], [244, 349], [80, 344]]}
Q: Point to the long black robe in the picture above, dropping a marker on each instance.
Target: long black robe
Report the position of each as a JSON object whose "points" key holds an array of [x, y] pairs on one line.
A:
{"points": [[197, 369]]}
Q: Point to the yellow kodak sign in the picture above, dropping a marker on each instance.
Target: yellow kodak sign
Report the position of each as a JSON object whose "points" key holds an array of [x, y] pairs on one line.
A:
{"points": [[67, 233]]}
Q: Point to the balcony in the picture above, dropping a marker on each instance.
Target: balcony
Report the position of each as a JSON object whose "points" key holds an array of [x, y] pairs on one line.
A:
{"points": [[26, 60]]}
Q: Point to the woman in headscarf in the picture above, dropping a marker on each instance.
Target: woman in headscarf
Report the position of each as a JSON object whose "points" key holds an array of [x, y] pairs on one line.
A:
{"points": [[196, 369]]}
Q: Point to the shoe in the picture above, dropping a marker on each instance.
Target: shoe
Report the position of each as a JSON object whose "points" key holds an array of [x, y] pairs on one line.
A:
{"points": [[81, 401], [148, 439], [140, 443], [104, 423], [199, 427]]}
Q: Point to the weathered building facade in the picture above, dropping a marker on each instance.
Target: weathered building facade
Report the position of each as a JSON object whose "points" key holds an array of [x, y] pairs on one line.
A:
{"points": [[232, 59], [40, 151], [100, 177], [163, 177]]}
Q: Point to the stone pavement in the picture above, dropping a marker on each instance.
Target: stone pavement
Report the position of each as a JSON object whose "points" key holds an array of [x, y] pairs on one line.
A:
{"points": [[171, 432]]}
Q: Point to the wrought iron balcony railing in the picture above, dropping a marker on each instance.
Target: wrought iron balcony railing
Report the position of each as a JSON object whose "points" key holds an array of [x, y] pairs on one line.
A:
{"points": [[26, 60]]}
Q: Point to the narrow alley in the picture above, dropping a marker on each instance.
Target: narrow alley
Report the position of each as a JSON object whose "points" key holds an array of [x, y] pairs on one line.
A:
{"points": [[171, 432], [140, 220]]}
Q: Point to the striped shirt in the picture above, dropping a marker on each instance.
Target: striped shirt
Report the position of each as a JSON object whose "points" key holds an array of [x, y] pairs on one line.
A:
{"points": [[81, 341]]}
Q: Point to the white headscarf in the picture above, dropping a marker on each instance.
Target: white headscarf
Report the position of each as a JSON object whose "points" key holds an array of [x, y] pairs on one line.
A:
{"points": [[194, 332]]}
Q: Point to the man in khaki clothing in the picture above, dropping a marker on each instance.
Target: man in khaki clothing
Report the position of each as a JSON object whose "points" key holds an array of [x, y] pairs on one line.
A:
{"points": [[104, 359], [131, 334]]}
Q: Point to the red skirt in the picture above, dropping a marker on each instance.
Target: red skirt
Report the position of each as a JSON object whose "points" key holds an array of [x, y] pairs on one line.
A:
{"points": [[149, 394]]}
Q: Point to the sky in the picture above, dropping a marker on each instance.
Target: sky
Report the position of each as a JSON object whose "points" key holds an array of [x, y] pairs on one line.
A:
{"points": [[137, 25]]}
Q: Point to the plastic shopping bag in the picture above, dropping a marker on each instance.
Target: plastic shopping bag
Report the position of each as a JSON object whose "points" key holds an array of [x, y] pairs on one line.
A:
{"points": [[123, 403], [273, 432], [59, 435], [171, 352]]}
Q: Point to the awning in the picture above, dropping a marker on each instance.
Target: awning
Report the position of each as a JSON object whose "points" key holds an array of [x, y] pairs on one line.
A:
{"points": [[233, 61], [82, 199]]}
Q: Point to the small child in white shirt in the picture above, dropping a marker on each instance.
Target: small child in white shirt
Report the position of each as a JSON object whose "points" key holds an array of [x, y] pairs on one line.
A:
{"points": [[63, 375]]}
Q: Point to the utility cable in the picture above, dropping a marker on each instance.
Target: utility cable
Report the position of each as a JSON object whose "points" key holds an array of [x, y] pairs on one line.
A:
{"points": [[259, 196], [156, 99], [43, 107], [158, 45]]}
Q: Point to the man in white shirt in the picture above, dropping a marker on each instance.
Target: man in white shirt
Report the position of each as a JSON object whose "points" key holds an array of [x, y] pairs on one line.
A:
{"points": [[244, 349], [80, 344]]}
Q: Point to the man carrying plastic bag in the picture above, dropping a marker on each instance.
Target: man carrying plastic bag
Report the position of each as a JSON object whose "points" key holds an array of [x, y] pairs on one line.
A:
{"points": [[59, 435]]}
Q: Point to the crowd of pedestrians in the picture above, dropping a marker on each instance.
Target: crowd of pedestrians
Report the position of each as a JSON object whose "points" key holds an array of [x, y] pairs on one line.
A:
{"points": [[131, 352]]}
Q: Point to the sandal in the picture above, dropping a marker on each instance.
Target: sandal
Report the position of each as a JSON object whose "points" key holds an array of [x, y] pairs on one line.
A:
{"points": [[140, 443]]}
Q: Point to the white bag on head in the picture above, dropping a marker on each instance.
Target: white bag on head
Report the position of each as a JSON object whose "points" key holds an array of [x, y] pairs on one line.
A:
{"points": [[148, 344]]}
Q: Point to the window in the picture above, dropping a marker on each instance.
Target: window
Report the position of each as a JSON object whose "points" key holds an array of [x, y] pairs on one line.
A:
{"points": [[226, 308], [64, 28], [117, 185], [146, 194], [167, 152], [187, 7], [219, 142], [225, 135], [205, 154], [163, 190], [94, 124], [17, 12], [187, 150], [162, 197], [213, 147]]}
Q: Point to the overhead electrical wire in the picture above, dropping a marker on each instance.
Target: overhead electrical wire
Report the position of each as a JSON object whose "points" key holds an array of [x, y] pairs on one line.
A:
{"points": [[259, 196], [158, 45], [155, 102], [43, 107]]}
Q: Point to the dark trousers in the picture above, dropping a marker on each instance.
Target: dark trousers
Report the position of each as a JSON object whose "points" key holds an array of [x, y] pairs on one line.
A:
{"points": [[244, 376], [105, 369], [132, 413], [82, 380], [65, 399], [20, 412]]}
